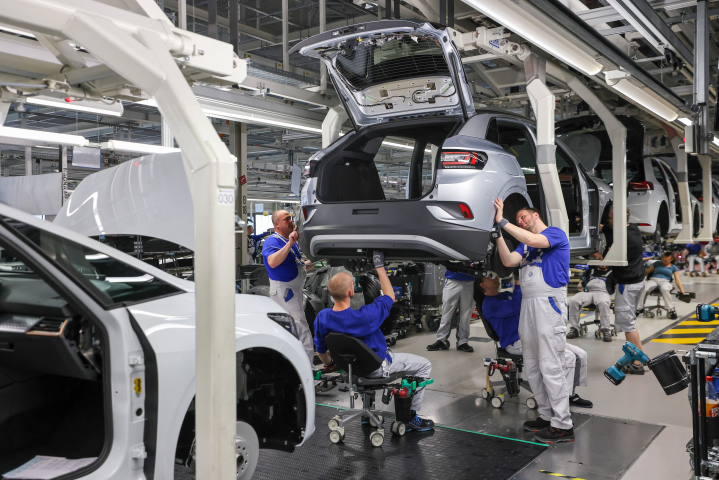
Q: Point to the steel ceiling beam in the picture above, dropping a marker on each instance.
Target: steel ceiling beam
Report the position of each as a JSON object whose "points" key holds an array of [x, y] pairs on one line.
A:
{"points": [[578, 27]]}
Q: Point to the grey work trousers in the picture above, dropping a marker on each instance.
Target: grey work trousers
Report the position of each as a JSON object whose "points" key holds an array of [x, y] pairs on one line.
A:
{"points": [[456, 293], [409, 364], [601, 299]]}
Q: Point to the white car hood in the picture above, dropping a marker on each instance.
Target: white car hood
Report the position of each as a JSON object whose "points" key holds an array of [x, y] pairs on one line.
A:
{"points": [[147, 196]]}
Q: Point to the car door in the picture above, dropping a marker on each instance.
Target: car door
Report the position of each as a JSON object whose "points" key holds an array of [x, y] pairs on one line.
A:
{"points": [[392, 68], [675, 215]]}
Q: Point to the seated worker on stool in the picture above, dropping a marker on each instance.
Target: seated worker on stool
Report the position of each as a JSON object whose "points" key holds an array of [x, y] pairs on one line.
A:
{"points": [[458, 290], [598, 283], [662, 272], [364, 324], [712, 251], [694, 253], [501, 309]]}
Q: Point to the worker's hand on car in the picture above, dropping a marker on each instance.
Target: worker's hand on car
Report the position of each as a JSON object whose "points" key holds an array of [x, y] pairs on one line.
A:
{"points": [[499, 205], [294, 236], [378, 258]]}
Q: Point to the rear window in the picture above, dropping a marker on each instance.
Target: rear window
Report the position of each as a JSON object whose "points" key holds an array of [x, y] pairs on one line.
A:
{"points": [[379, 60], [112, 282], [634, 172]]}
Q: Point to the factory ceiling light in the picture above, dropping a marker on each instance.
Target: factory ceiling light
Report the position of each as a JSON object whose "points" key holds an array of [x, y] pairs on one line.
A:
{"points": [[619, 80], [522, 20], [114, 109], [120, 146], [685, 121], [34, 138]]}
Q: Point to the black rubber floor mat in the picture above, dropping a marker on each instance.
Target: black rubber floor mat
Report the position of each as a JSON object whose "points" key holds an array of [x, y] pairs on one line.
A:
{"points": [[442, 454]]}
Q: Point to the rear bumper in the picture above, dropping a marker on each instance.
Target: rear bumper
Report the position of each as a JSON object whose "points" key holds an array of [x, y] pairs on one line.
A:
{"points": [[404, 230]]}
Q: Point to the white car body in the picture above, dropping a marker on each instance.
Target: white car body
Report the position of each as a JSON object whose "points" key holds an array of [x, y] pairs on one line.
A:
{"points": [[167, 326]]}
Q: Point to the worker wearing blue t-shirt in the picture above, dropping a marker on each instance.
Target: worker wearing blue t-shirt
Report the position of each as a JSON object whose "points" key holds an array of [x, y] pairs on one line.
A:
{"points": [[287, 271], [543, 258], [364, 324], [662, 273], [693, 253], [252, 241], [458, 291]]}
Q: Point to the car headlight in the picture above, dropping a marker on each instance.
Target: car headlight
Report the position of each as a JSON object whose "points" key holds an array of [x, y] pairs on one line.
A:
{"points": [[285, 321]]}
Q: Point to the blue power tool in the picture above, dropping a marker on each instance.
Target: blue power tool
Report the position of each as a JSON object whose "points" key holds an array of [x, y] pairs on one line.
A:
{"points": [[631, 353], [706, 313]]}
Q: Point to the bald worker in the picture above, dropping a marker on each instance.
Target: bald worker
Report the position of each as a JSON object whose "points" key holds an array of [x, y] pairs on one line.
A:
{"points": [[364, 324], [287, 271]]}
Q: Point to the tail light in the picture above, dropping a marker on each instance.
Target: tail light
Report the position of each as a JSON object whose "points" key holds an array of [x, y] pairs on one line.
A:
{"points": [[701, 199], [475, 160], [466, 211], [645, 225], [304, 213], [641, 186]]}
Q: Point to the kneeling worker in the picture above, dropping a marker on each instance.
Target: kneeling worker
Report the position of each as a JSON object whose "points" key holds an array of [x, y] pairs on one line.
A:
{"points": [[501, 309], [598, 283], [364, 324], [544, 258]]}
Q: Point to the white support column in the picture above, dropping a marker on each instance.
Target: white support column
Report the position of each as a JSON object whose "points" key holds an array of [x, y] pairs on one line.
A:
{"points": [[332, 125], [28, 161], [182, 14], [686, 234], [166, 137], [63, 169], [543, 104], [4, 109], [285, 34], [323, 28], [618, 136], [238, 147], [705, 234]]}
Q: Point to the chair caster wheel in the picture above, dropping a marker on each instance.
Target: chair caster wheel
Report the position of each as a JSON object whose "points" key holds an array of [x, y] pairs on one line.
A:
{"points": [[614, 332], [487, 394], [372, 422], [532, 403], [336, 437], [398, 429], [393, 341], [333, 424], [597, 333], [497, 402], [377, 439], [649, 314]]}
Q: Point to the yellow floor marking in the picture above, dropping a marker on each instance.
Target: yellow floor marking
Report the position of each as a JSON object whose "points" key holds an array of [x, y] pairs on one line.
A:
{"points": [[680, 341], [675, 331], [695, 322]]}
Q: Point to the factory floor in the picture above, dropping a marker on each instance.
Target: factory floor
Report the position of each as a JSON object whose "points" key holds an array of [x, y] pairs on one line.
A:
{"points": [[634, 431]]}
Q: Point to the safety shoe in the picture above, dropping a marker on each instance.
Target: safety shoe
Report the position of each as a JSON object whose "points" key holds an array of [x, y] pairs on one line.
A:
{"points": [[572, 333], [438, 345], [704, 274], [419, 424], [537, 425], [465, 347], [606, 335], [639, 312], [672, 314], [555, 435], [633, 369], [577, 401]]}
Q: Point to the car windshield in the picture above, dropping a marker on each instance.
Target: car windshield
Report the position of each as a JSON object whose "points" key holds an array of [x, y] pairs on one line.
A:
{"points": [[109, 280], [390, 58]]}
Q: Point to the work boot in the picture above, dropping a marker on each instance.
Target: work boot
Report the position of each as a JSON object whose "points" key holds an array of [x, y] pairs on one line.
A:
{"points": [[572, 333], [555, 435], [537, 425], [672, 315], [633, 369], [465, 347], [704, 274], [577, 401], [639, 312], [606, 335], [419, 424], [438, 345]]}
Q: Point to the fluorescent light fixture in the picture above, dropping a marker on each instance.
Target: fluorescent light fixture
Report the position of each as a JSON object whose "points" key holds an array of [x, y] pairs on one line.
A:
{"points": [[16, 31], [121, 146], [142, 278], [685, 121], [522, 19], [32, 138], [275, 200], [98, 108], [641, 96]]}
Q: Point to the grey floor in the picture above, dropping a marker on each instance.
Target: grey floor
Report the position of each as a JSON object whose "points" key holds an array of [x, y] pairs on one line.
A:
{"points": [[633, 432]]}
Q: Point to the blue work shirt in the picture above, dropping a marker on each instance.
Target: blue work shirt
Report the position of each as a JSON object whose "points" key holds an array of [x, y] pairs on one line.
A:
{"points": [[460, 277], [694, 248], [363, 323], [502, 312], [287, 270], [555, 259], [664, 272]]}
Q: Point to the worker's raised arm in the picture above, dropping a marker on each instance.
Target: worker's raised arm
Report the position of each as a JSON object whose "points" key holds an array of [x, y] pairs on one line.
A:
{"points": [[378, 259], [279, 256], [509, 259], [536, 240]]}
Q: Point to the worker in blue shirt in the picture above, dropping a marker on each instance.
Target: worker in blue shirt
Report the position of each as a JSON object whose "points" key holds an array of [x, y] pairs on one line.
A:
{"points": [[694, 253], [364, 324], [662, 273], [502, 309], [543, 257], [287, 271], [252, 241], [458, 291]]}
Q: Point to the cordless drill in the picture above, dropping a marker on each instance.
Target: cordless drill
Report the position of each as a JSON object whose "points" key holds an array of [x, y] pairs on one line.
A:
{"points": [[631, 353], [706, 313]]}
